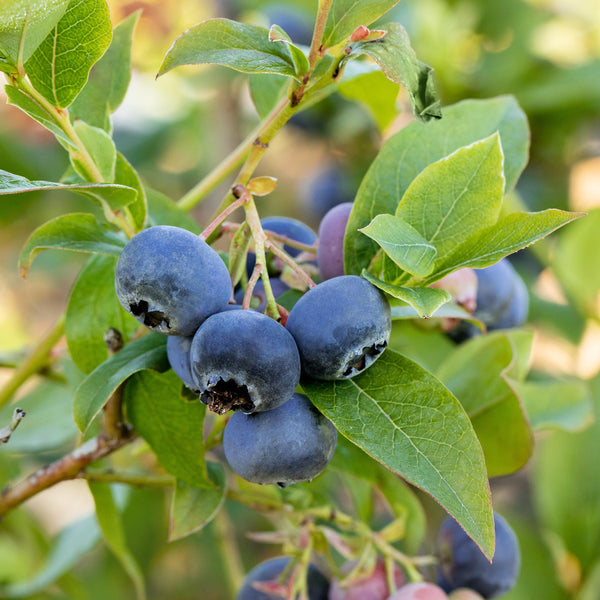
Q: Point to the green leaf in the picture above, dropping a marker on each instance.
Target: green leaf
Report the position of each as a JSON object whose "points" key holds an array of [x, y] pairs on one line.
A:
{"points": [[448, 310], [511, 233], [557, 404], [276, 34], [240, 46], [49, 422], [375, 92], [163, 211], [346, 15], [33, 19], [402, 416], [398, 61], [93, 308], [109, 79], [194, 507], [79, 232], [169, 423], [125, 174], [100, 147], [576, 263], [109, 196], [426, 301], [111, 525], [67, 549], [31, 108], [418, 145], [456, 196], [59, 67], [149, 352], [266, 90], [402, 243], [484, 374]]}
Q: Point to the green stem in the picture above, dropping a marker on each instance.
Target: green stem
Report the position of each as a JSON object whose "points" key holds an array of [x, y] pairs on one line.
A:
{"points": [[215, 437], [230, 553], [286, 258], [316, 49], [61, 117], [34, 363], [154, 481], [261, 259], [264, 132]]}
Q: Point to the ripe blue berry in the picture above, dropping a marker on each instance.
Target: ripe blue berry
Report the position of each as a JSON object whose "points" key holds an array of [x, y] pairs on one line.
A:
{"points": [[170, 280], [243, 360], [340, 326], [293, 442], [463, 565], [502, 299], [178, 353], [271, 570]]}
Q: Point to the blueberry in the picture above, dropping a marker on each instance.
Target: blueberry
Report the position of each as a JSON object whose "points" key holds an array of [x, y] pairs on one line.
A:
{"points": [[170, 280], [516, 314], [271, 570], [292, 229], [372, 586], [178, 353], [259, 299], [463, 565], [243, 360], [293, 442], [419, 591], [502, 301], [340, 326], [330, 252], [502, 298]]}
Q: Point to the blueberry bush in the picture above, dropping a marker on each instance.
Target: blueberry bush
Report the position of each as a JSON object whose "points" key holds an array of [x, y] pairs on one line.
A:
{"points": [[350, 376]]}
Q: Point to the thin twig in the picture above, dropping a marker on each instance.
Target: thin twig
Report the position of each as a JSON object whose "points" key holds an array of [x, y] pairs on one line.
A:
{"points": [[7, 431], [67, 467], [285, 257]]}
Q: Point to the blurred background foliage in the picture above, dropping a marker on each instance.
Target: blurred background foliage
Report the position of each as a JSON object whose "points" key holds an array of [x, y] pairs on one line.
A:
{"points": [[544, 52]]}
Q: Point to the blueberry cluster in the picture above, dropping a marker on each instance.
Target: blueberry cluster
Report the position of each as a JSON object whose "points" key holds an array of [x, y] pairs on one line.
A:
{"points": [[244, 361]]}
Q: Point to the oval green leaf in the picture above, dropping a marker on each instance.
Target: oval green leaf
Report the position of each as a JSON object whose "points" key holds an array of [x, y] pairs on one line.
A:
{"points": [[149, 352], [239, 46], [93, 308], [60, 66], [78, 232], [402, 416], [171, 424], [408, 152]]}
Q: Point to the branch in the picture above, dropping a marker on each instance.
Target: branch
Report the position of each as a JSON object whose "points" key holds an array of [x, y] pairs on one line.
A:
{"points": [[67, 467]]}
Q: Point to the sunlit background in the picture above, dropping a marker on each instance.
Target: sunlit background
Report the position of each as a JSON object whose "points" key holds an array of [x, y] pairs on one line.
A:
{"points": [[176, 128]]}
